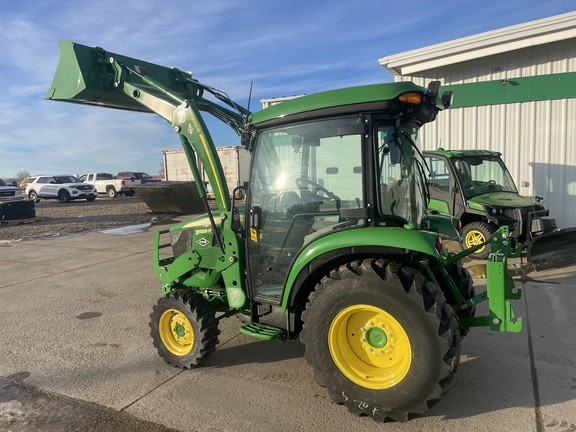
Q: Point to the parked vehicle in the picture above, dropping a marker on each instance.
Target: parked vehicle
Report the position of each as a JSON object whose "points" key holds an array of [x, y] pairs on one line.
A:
{"points": [[133, 178], [476, 187], [333, 244], [105, 183], [8, 192], [64, 187]]}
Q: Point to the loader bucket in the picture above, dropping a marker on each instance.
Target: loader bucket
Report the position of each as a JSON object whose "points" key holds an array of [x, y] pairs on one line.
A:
{"points": [[171, 197], [551, 250], [85, 76]]}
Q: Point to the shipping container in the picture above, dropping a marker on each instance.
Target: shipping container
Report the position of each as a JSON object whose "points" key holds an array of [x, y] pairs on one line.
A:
{"points": [[235, 162]]}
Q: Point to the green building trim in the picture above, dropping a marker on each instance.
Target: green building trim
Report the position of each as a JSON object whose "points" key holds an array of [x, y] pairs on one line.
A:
{"points": [[514, 90]]}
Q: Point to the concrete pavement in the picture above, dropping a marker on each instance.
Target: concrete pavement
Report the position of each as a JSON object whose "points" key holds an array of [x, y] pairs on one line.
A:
{"points": [[74, 318]]}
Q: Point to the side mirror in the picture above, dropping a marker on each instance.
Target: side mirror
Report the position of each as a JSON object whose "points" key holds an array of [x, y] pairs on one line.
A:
{"points": [[447, 99]]}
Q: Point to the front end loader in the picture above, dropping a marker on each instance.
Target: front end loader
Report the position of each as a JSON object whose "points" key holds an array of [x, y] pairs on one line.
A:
{"points": [[333, 243]]}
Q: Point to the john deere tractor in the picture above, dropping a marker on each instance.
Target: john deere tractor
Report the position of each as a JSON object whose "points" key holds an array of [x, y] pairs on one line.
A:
{"points": [[332, 245]]}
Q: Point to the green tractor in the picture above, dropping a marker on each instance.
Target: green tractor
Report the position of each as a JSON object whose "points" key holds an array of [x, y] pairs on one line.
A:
{"points": [[476, 187], [333, 243]]}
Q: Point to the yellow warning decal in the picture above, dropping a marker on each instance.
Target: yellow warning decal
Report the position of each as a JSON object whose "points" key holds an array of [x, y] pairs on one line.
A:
{"points": [[254, 235]]}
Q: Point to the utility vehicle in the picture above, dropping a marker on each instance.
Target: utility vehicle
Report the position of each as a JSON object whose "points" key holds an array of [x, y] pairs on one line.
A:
{"points": [[476, 187], [333, 243]]}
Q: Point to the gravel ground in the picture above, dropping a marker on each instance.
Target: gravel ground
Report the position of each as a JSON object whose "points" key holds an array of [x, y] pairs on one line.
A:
{"points": [[56, 219]]}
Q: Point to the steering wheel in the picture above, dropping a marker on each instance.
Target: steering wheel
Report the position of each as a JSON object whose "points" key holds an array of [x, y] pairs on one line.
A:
{"points": [[303, 184]]}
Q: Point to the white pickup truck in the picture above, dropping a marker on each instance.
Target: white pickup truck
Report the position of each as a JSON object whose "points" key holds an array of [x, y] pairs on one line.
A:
{"points": [[134, 178], [106, 184]]}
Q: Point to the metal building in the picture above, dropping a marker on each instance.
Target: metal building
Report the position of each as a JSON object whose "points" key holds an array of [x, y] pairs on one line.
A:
{"points": [[514, 92]]}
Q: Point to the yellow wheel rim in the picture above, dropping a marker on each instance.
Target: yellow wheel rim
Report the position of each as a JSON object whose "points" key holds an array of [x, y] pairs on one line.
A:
{"points": [[370, 347], [176, 332], [473, 238]]}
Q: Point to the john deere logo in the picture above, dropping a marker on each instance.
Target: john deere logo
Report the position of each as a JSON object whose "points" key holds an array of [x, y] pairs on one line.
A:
{"points": [[203, 242]]}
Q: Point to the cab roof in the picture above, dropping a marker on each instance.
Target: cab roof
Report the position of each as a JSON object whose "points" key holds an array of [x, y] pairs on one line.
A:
{"points": [[334, 99], [461, 153]]}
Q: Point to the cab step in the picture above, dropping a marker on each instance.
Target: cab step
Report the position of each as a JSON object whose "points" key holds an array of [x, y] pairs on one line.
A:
{"points": [[263, 331]]}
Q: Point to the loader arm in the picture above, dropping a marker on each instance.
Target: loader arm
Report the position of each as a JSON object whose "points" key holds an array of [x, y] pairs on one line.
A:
{"points": [[92, 76]]}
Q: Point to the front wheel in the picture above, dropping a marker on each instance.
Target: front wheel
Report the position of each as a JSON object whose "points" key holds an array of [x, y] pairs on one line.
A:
{"points": [[474, 234], [184, 328], [382, 339], [64, 196]]}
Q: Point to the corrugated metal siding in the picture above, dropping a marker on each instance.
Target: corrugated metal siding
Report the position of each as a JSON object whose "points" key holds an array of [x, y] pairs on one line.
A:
{"points": [[544, 59], [537, 139]]}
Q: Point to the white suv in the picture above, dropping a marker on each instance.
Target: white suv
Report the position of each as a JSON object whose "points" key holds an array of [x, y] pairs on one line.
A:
{"points": [[63, 187]]}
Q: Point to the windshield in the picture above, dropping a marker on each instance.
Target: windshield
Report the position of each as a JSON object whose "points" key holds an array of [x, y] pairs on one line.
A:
{"points": [[402, 188], [483, 174], [2, 183]]}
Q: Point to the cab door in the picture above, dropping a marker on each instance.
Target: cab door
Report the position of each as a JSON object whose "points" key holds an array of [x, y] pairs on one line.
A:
{"points": [[302, 178], [441, 185]]}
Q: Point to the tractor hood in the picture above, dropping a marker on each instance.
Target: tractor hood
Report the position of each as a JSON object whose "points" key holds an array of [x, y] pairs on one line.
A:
{"points": [[502, 199]]}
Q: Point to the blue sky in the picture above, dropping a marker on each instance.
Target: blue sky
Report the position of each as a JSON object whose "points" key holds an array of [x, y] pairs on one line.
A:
{"points": [[284, 47]]}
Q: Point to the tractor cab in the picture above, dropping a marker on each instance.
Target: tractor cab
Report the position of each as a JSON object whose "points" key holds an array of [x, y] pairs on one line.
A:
{"points": [[314, 179]]}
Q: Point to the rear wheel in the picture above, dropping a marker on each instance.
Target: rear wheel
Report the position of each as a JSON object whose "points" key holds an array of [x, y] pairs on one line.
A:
{"points": [[382, 339], [64, 196], [474, 234], [33, 195], [465, 285], [111, 192], [184, 328]]}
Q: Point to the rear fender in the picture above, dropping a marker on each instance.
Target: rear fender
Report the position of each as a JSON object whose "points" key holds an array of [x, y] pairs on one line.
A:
{"points": [[445, 225], [397, 241]]}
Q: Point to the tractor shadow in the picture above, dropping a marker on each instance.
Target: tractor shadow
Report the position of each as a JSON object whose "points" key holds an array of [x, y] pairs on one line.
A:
{"points": [[244, 350]]}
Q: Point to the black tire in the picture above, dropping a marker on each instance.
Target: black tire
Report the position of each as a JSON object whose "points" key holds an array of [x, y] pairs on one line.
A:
{"points": [[91, 199], [111, 192], [382, 339], [129, 193], [184, 328], [64, 196], [475, 233], [465, 284], [33, 195]]}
